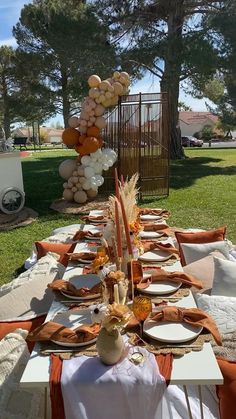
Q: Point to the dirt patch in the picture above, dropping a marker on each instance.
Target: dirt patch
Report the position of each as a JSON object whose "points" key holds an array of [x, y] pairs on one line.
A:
{"points": [[65, 207], [21, 219]]}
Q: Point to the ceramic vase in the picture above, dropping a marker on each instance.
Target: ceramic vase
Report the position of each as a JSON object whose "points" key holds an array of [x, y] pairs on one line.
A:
{"points": [[110, 346]]}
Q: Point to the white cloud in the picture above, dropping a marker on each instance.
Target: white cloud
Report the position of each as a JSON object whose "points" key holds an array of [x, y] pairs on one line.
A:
{"points": [[11, 42]]}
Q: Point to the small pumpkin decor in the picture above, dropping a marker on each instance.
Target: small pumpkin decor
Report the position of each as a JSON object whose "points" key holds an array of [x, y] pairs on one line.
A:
{"points": [[84, 135], [110, 344]]}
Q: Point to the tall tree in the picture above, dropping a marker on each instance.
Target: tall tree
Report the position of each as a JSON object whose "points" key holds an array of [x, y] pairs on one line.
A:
{"points": [[168, 38], [7, 87], [68, 44]]}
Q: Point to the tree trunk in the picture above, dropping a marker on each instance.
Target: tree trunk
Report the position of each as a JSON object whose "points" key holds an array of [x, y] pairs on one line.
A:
{"points": [[171, 78], [65, 98], [6, 113]]}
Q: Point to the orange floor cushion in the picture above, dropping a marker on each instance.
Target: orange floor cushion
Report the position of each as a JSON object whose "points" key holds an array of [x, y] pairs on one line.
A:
{"points": [[59, 248], [227, 391], [199, 237], [30, 325]]}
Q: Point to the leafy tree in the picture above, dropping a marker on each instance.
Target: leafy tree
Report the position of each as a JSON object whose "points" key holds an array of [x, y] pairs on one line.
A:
{"points": [[8, 87], [62, 43], [183, 107], [207, 133], [170, 39]]}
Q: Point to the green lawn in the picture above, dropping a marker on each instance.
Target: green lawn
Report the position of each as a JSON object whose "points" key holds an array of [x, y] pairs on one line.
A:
{"points": [[202, 194]]}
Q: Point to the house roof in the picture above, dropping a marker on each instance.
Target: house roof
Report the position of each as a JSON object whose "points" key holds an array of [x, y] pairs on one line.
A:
{"points": [[190, 117], [28, 131]]}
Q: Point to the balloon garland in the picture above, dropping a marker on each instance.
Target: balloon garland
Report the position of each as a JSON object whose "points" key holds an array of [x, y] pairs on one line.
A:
{"points": [[84, 175]]}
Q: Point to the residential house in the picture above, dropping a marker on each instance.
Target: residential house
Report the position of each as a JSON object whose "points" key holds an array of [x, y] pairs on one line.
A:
{"points": [[191, 122]]}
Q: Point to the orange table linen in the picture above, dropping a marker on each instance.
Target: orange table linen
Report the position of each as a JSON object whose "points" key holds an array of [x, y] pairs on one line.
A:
{"points": [[152, 211], [192, 316], [159, 274], [152, 245], [74, 257], [57, 332], [57, 405], [70, 289], [80, 235], [227, 391]]}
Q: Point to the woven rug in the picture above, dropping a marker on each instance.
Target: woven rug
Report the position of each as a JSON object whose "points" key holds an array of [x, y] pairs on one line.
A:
{"points": [[65, 207], [21, 219]]}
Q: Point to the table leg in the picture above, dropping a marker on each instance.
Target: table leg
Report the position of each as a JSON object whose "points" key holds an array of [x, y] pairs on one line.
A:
{"points": [[45, 403], [200, 401], [187, 401]]}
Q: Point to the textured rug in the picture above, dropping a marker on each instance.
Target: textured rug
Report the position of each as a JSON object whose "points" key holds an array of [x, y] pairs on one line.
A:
{"points": [[21, 219], [65, 207]]}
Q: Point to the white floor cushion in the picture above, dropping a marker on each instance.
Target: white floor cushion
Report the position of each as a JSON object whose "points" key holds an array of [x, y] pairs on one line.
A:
{"points": [[224, 281], [15, 402], [193, 252]]}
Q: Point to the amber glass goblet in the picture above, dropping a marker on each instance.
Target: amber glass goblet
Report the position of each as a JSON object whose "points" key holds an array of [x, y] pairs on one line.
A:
{"points": [[142, 307]]}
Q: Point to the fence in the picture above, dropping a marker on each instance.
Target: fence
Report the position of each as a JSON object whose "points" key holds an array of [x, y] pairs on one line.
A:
{"points": [[138, 130]]}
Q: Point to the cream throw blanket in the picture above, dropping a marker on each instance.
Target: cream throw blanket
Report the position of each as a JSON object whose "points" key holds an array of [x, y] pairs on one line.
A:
{"points": [[16, 402]]}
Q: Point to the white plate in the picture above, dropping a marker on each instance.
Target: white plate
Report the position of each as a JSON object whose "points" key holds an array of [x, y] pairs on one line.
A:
{"points": [[162, 287], [87, 280], [150, 235], [155, 256], [171, 331], [149, 217], [73, 320], [85, 261]]}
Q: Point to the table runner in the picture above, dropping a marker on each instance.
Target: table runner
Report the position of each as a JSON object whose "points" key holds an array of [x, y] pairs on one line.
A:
{"points": [[123, 390]]}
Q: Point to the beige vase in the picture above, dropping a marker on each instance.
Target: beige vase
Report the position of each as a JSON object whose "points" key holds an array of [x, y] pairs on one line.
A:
{"points": [[110, 346]]}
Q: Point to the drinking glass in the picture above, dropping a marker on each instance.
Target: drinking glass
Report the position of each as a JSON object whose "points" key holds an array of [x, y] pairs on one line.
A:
{"points": [[142, 307]]}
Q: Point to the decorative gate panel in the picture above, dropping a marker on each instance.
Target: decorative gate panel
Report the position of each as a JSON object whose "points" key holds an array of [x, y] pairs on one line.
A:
{"points": [[138, 130]]}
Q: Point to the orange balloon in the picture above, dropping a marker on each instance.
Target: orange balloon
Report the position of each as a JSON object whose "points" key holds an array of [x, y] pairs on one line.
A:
{"points": [[81, 150], [93, 131], [82, 138], [70, 136], [91, 144]]}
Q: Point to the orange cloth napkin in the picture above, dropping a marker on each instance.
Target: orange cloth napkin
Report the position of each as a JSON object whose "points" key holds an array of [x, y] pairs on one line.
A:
{"points": [[82, 255], [58, 332], [91, 218], [192, 316], [159, 274], [159, 228], [152, 245], [84, 234], [70, 289], [152, 211]]}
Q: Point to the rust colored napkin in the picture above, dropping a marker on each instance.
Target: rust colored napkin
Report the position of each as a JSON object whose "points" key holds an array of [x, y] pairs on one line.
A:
{"points": [[152, 245], [91, 218], [82, 255], [57, 332], [159, 274], [192, 316], [70, 289], [152, 211], [159, 228], [84, 234]]}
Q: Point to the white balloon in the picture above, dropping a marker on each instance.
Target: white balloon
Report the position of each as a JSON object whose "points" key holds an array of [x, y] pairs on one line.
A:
{"points": [[99, 180], [85, 160], [93, 181], [88, 172], [105, 166], [96, 154], [98, 168], [110, 163]]}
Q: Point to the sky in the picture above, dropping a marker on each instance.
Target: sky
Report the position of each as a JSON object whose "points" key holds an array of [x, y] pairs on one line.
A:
{"points": [[9, 15]]}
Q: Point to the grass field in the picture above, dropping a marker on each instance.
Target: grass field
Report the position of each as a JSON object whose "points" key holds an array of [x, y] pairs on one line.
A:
{"points": [[202, 194]]}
